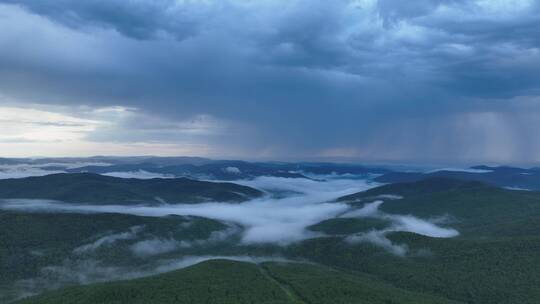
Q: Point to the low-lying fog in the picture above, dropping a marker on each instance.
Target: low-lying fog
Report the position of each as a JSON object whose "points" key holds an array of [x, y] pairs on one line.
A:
{"points": [[292, 204]]}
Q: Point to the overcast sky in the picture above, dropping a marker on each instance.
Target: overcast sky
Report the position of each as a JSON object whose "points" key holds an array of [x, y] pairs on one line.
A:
{"points": [[454, 81]]}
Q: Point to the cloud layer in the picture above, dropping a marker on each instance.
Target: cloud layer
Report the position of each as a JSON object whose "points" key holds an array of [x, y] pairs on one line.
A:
{"points": [[373, 79], [280, 219], [266, 220]]}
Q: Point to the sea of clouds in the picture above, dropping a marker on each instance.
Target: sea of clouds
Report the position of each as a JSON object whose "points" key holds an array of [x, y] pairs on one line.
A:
{"points": [[271, 219], [280, 219]]}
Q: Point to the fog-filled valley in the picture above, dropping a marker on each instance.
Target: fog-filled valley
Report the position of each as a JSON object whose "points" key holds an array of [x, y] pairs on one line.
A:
{"points": [[305, 227]]}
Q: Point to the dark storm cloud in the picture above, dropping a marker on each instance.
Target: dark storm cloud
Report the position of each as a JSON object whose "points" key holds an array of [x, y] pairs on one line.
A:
{"points": [[374, 79], [136, 19]]}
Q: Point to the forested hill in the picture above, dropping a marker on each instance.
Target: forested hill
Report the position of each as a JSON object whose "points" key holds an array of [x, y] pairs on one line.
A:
{"points": [[224, 281], [420, 187], [474, 208], [494, 259], [98, 189]]}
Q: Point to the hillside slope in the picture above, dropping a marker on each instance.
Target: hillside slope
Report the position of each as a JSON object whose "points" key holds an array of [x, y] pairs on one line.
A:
{"points": [[31, 243], [474, 208], [224, 281], [493, 260], [98, 189]]}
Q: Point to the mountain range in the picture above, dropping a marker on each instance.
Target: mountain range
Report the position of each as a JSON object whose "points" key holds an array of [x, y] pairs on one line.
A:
{"points": [[491, 258]]}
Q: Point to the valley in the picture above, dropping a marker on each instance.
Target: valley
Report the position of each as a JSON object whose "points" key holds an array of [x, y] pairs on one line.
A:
{"points": [[292, 240]]}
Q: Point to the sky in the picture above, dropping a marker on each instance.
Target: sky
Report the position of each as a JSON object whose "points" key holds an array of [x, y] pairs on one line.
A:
{"points": [[454, 81]]}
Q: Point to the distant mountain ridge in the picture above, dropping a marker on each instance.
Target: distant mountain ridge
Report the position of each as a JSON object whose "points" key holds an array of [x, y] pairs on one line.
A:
{"points": [[191, 167], [235, 170], [218, 170], [502, 176], [99, 189]]}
